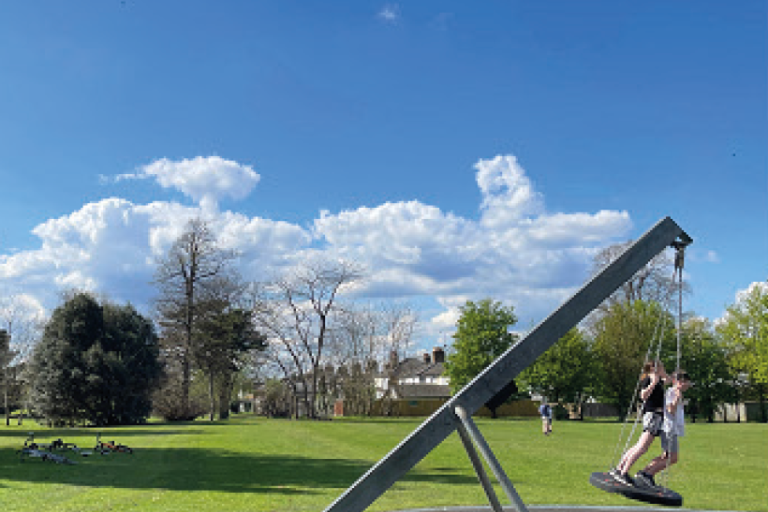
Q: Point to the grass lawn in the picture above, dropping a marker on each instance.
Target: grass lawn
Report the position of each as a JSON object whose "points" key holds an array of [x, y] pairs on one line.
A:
{"points": [[256, 464]]}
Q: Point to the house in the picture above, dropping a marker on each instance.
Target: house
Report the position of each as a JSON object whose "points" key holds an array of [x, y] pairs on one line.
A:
{"points": [[414, 377]]}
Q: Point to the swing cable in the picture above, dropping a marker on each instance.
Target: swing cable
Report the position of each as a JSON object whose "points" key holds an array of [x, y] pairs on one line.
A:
{"points": [[677, 275], [658, 334]]}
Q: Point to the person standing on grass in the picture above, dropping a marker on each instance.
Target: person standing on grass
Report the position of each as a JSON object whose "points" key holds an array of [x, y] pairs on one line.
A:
{"points": [[652, 395], [546, 418], [672, 430]]}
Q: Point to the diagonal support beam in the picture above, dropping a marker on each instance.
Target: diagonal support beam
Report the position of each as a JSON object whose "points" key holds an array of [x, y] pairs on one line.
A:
{"points": [[470, 398], [477, 464], [469, 426]]}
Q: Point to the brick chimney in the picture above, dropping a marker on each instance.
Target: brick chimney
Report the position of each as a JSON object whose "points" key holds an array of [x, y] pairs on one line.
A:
{"points": [[426, 357], [438, 355], [393, 360]]}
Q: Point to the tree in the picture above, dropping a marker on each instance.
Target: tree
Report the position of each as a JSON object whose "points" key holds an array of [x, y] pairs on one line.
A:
{"points": [[705, 361], [363, 339], [296, 312], [186, 277], [564, 372], [6, 356], [354, 344], [744, 330], [482, 335], [276, 399], [623, 336], [652, 283], [22, 320], [95, 363], [224, 337]]}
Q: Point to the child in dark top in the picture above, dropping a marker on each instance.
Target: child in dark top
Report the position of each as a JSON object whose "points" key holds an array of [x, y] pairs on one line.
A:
{"points": [[652, 395]]}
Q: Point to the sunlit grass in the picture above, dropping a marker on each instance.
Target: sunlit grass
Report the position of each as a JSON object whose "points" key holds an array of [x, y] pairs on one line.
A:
{"points": [[256, 464]]}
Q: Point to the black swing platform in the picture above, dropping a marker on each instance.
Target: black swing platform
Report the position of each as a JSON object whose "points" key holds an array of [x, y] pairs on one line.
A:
{"points": [[657, 495]]}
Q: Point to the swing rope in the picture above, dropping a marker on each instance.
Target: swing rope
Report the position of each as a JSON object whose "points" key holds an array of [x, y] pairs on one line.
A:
{"points": [[657, 334], [678, 274]]}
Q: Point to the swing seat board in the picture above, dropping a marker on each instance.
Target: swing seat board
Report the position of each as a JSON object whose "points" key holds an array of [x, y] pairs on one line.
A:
{"points": [[657, 495]]}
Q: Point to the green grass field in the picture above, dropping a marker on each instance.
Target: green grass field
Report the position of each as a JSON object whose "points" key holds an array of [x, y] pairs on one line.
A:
{"points": [[256, 464]]}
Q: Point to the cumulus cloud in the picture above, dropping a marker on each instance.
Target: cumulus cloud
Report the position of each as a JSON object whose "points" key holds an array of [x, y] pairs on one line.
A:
{"points": [[514, 250], [112, 246], [205, 180], [741, 297], [508, 194]]}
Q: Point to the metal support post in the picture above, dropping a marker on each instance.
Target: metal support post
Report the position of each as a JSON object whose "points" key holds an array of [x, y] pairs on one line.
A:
{"points": [[466, 440], [491, 460]]}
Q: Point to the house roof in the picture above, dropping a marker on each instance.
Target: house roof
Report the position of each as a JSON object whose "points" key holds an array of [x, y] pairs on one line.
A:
{"points": [[415, 367]]}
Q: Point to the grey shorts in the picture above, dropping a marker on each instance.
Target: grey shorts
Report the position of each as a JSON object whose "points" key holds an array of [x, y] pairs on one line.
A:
{"points": [[670, 442], [652, 422]]}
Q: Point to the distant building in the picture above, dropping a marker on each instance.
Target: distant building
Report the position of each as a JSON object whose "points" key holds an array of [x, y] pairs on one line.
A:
{"points": [[414, 377]]}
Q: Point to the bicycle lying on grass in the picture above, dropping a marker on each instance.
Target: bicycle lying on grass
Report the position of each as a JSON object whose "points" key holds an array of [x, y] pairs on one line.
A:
{"points": [[105, 447], [43, 452]]}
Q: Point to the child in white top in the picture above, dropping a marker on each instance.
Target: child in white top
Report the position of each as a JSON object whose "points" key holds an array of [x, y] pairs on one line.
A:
{"points": [[672, 429]]}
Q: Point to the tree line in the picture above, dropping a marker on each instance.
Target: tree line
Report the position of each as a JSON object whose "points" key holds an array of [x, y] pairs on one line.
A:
{"points": [[601, 359], [210, 335], [305, 342]]}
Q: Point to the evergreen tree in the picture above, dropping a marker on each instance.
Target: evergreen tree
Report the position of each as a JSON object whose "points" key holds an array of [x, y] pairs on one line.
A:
{"points": [[95, 363], [223, 339]]}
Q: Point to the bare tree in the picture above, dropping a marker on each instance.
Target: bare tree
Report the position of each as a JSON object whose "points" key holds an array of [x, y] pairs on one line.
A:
{"points": [[399, 323], [355, 344], [186, 277], [653, 283], [365, 339], [296, 312], [24, 326]]}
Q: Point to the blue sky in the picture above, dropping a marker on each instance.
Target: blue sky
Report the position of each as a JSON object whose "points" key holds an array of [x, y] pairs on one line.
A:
{"points": [[459, 150]]}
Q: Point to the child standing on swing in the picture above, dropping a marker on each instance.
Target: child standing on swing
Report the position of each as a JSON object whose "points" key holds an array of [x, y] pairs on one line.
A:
{"points": [[674, 428], [652, 395]]}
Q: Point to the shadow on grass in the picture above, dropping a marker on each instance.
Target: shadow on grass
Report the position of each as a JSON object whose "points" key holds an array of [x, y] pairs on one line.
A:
{"points": [[198, 469], [44, 434]]}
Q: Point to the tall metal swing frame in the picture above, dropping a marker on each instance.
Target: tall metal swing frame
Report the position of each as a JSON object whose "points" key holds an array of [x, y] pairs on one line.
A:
{"points": [[456, 414]]}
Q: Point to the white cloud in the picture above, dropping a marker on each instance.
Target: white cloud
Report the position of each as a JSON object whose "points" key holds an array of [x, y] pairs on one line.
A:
{"points": [[21, 307], [111, 246], [515, 251], [508, 194], [390, 13], [205, 180], [703, 255], [742, 295]]}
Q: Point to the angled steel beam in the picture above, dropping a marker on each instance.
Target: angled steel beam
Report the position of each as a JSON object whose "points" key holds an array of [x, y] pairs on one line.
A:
{"points": [[477, 464], [474, 433], [470, 398]]}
